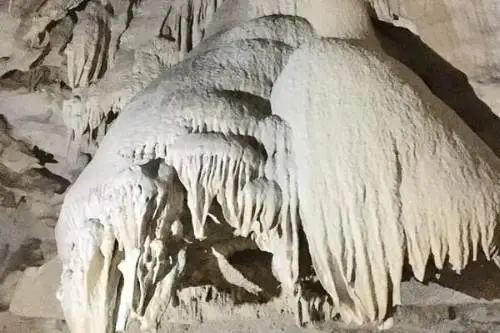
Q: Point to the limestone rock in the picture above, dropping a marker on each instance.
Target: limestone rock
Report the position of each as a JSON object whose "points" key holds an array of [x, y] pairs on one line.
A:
{"points": [[11, 323], [415, 293], [38, 284], [34, 118], [29, 202], [7, 288], [87, 53], [25, 31]]}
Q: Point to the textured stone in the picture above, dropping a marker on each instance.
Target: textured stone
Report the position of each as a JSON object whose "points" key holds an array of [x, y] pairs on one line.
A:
{"points": [[38, 284]]}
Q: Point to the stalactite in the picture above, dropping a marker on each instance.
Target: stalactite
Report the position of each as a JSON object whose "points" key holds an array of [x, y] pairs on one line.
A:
{"points": [[186, 22]]}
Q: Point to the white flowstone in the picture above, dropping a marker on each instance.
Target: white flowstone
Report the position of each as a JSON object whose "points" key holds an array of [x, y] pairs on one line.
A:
{"points": [[210, 166], [405, 177]]}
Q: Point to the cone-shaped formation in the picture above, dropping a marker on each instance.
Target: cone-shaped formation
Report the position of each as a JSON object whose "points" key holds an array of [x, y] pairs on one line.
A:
{"points": [[402, 177]]}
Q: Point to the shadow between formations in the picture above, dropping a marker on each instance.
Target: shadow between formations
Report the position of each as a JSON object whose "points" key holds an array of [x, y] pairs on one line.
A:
{"points": [[445, 81]]}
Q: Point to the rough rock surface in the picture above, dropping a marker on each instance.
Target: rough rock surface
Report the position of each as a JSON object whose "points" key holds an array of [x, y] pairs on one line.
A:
{"points": [[69, 68], [31, 196]]}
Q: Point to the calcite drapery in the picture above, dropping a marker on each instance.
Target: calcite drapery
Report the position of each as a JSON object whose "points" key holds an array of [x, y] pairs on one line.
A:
{"points": [[405, 178], [223, 145]]}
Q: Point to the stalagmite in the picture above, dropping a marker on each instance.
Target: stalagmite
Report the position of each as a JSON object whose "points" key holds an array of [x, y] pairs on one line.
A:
{"points": [[234, 276]]}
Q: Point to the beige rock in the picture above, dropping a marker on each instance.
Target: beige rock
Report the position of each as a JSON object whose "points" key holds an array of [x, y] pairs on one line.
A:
{"points": [[11, 323], [35, 294], [87, 53], [416, 293], [28, 203], [7, 288]]}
